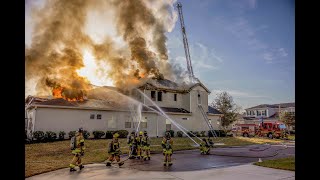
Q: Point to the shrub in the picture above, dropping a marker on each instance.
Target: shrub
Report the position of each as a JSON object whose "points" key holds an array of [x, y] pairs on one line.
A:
{"points": [[50, 136], [109, 134], [123, 133], [61, 135], [190, 133], [203, 134], [39, 136], [179, 133], [196, 133], [86, 134], [71, 134], [98, 134], [219, 133], [171, 132]]}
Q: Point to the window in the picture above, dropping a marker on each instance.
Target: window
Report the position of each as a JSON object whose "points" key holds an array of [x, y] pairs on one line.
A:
{"points": [[99, 116], [159, 96], [253, 113], [263, 113], [153, 95], [127, 125], [185, 118], [91, 116], [112, 122], [199, 99], [175, 97], [143, 124], [258, 113]]}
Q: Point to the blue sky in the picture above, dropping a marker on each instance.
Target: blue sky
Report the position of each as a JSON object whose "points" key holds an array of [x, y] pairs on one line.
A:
{"points": [[244, 47]]}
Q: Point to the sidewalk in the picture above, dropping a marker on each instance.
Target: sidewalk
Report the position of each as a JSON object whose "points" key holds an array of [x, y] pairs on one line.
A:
{"points": [[100, 171]]}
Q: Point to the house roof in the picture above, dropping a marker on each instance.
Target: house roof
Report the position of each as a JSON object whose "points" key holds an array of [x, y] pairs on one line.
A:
{"points": [[167, 85], [282, 105], [212, 110]]}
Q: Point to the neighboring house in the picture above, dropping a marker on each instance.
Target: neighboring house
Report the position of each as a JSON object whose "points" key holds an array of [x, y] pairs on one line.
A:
{"points": [[114, 111], [269, 112]]}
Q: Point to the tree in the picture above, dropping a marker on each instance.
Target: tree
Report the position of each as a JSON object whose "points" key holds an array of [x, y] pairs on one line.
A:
{"points": [[224, 103], [288, 119]]}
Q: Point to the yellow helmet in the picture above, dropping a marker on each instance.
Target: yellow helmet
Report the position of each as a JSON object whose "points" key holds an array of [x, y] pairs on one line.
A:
{"points": [[116, 135], [141, 133]]}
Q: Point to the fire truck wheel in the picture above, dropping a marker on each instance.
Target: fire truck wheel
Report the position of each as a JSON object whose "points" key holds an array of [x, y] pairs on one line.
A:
{"points": [[245, 135], [270, 136]]}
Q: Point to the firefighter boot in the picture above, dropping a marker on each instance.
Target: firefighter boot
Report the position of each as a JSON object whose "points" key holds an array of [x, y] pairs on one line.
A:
{"points": [[81, 167], [72, 169], [164, 163], [170, 163], [121, 163], [149, 158], [108, 164]]}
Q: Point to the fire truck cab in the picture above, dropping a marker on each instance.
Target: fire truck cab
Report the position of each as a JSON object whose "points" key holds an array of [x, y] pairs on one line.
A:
{"points": [[271, 130], [245, 130]]}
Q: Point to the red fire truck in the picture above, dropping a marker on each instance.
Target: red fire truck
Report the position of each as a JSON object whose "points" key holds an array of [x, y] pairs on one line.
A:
{"points": [[245, 130], [271, 130], [266, 129]]}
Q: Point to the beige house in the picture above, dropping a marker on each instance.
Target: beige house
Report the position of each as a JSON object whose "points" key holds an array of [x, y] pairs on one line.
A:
{"points": [[112, 110]]}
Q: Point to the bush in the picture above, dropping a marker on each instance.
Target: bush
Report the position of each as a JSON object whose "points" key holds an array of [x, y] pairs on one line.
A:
{"points": [[39, 136], [50, 136], [71, 134], [171, 132], [203, 134], [190, 133], [219, 133], [123, 133], [61, 135], [86, 134], [109, 134], [179, 133], [98, 134]]}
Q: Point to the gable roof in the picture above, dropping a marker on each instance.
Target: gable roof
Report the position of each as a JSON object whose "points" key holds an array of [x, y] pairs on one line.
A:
{"points": [[167, 85], [282, 105], [212, 110]]}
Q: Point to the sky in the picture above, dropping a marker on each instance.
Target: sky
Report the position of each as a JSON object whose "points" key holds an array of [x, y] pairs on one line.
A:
{"points": [[243, 47]]}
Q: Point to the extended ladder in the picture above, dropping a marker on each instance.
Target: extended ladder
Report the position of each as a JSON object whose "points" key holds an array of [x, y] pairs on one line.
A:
{"points": [[207, 121]]}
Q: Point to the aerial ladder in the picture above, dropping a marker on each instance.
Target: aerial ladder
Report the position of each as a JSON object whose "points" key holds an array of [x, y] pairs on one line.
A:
{"points": [[185, 43]]}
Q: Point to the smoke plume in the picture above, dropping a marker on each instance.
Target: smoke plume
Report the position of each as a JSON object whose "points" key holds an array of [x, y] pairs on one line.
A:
{"points": [[59, 39]]}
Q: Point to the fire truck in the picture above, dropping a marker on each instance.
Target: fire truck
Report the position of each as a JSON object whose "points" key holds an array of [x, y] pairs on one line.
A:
{"points": [[271, 130], [245, 130], [266, 129]]}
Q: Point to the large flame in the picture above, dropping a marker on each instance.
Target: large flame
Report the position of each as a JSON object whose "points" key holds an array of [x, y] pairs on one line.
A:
{"points": [[68, 94]]}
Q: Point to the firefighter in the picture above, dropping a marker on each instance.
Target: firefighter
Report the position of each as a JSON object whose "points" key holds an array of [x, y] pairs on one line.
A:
{"points": [[204, 146], [132, 145], [146, 146], [139, 145], [78, 152], [167, 143], [114, 151], [210, 142]]}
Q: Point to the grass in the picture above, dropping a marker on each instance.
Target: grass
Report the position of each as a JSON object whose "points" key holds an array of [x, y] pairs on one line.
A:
{"points": [[282, 163], [45, 157]]}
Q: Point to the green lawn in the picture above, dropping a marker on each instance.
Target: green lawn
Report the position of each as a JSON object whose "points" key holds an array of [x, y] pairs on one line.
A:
{"points": [[283, 163], [45, 157]]}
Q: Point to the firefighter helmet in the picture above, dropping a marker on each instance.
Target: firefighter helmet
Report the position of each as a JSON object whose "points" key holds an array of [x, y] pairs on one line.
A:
{"points": [[80, 130], [140, 133], [115, 135], [132, 132]]}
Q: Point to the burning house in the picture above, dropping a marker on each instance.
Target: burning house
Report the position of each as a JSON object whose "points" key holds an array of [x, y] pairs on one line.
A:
{"points": [[115, 111]]}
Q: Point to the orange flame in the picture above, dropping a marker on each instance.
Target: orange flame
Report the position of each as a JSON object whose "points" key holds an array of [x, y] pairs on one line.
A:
{"points": [[58, 93]]}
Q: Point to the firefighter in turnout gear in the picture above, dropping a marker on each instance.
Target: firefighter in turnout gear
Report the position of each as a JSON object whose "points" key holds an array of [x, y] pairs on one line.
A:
{"points": [[132, 145], [146, 146], [139, 145], [114, 151], [167, 143], [77, 151], [204, 146]]}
